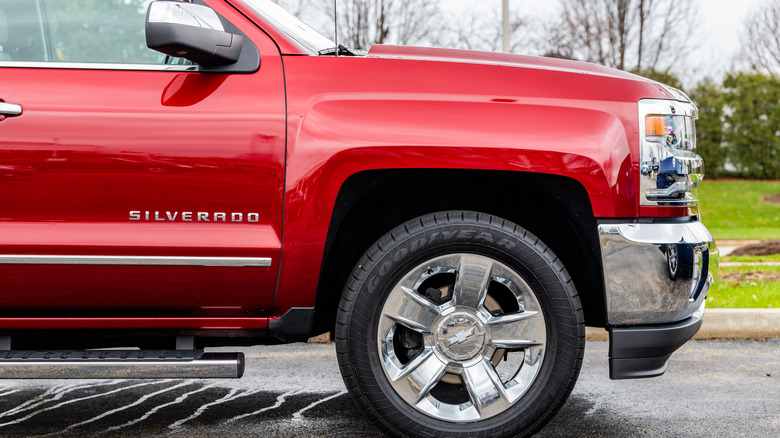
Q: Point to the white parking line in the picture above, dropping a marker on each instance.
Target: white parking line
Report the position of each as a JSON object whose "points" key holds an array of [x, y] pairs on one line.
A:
{"points": [[279, 401], [230, 396], [59, 405], [11, 391], [151, 412], [113, 411], [58, 391], [299, 415]]}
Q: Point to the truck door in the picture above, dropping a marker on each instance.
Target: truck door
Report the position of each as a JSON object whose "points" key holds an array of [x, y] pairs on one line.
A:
{"points": [[132, 185]]}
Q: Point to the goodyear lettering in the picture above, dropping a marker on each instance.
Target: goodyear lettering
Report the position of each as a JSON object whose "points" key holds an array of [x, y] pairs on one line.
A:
{"points": [[485, 236], [417, 244], [400, 254]]}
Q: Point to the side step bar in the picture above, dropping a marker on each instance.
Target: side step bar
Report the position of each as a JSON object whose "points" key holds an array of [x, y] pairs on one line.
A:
{"points": [[120, 364]]}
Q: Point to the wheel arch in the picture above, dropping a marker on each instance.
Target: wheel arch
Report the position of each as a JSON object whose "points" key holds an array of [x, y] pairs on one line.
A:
{"points": [[371, 203]]}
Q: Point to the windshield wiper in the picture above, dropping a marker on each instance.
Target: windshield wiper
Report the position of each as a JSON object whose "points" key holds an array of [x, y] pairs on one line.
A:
{"points": [[342, 51]]}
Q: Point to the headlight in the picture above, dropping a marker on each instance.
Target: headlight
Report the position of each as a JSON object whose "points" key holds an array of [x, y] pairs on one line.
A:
{"points": [[669, 166]]}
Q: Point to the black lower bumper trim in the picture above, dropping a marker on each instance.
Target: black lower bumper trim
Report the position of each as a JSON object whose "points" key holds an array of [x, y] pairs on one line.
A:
{"points": [[639, 352]]}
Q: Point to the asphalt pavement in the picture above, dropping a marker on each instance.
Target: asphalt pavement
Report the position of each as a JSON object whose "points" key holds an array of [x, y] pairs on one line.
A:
{"points": [[712, 389]]}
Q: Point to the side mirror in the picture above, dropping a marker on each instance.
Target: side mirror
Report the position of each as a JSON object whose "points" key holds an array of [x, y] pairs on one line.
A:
{"points": [[194, 32]]}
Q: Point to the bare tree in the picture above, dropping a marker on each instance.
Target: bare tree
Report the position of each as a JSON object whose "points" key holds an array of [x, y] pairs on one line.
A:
{"points": [[355, 17], [626, 34], [417, 21], [761, 37], [295, 7], [484, 32], [592, 30], [366, 22], [311, 12]]}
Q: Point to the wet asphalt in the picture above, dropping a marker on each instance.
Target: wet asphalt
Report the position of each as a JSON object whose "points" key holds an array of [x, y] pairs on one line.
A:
{"points": [[712, 389]]}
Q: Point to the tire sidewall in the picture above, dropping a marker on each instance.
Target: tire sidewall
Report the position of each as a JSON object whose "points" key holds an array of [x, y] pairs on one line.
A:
{"points": [[404, 249]]}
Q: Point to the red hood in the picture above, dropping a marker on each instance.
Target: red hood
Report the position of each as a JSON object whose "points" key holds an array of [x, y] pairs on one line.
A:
{"points": [[508, 59]]}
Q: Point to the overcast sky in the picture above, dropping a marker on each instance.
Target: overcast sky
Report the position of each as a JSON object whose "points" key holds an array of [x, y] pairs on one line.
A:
{"points": [[720, 33], [719, 36], [717, 40]]}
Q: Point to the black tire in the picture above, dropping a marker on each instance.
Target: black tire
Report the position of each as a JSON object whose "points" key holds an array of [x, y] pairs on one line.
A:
{"points": [[452, 234]]}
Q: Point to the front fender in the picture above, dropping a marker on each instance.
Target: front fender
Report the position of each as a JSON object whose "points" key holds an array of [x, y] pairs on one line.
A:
{"points": [[340, 136], [354, 114]]}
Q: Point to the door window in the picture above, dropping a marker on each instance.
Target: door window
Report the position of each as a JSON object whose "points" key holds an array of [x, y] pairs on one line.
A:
{"points": [[76, 31]]}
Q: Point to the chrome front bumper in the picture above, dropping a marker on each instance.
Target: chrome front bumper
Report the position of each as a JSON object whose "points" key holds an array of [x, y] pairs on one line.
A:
{"points": [[656, 273]]}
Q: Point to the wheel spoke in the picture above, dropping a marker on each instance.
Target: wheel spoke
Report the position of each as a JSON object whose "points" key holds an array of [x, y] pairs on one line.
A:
{"points": [[485, 389], [472, 283], [517, 330], [459, 336], [408, 308], [416, 379]]}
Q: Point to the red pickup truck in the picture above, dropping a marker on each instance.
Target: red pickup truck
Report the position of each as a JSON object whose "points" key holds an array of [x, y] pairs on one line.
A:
{"points": [[181, 175]]}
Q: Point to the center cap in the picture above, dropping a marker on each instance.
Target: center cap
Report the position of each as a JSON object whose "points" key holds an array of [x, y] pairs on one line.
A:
{"points": [[460, 336]]}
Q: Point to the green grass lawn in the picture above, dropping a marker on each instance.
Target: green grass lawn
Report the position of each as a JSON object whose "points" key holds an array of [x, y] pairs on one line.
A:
{"points": [[733, 209], [746, 287], [773, 258]]}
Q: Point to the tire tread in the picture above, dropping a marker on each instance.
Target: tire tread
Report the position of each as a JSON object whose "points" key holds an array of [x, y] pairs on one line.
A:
{"points": [[368, 398]]}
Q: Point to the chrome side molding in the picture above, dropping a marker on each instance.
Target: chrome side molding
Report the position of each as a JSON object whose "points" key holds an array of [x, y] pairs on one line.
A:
{"points": [[96, 66], [134, 260]]}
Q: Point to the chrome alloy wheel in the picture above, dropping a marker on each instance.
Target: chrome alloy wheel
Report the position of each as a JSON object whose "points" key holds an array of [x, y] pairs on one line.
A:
{"points": [[461, 337]]}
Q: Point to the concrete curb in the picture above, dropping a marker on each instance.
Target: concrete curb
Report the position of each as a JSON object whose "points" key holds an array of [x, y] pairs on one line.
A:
{"points": [[740, 324], [725, 324]]}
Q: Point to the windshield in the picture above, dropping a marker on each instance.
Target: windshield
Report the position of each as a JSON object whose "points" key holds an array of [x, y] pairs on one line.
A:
{"points": [[296, 29]]}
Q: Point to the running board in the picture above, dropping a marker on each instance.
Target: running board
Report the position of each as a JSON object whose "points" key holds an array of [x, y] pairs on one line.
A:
{"points": [[120, 364]]}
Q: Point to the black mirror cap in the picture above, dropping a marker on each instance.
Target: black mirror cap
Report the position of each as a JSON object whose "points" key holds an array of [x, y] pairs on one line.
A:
{"points": [[206, 47]]}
